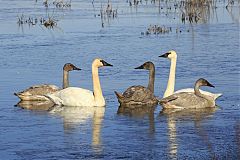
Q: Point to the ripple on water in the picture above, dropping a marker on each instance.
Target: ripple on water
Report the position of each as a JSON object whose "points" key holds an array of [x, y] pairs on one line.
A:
{"points": [[36, 55]]}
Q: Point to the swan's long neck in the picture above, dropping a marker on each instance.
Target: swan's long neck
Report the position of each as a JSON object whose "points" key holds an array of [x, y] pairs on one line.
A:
{"points": [[171, 80], [151, 79], [98, 96], [198, 93], [65, 79]]}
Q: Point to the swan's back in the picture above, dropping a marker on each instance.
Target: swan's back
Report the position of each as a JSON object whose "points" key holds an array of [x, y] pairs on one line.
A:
{"points": [[73, 96], [137, 95], [214, 95], [186, 100], [37, 92]]}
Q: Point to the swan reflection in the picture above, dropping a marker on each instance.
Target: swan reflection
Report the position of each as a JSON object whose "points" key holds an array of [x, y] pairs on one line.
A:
{"points": [[137, 111], [35, 105], [195, 115], [75, 116]]}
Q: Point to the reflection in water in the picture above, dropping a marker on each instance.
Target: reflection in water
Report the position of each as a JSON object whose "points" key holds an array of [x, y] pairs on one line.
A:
{"points": [[96, 129], [197, 115], [139, 112], [172, 133], [237, 128], [75, 116], [234, 12], [35, 105]]}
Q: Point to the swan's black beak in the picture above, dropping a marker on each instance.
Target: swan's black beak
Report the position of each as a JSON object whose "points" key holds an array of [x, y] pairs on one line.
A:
{"points": [[140, 67], [165, 55], [210, 85], [76, 68], [105, 63]]}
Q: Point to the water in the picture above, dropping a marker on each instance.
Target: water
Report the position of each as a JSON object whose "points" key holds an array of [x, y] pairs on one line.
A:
{"points": [[35, 55]]}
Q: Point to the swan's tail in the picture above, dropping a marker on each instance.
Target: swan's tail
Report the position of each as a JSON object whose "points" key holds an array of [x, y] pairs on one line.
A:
{"points": [[119, 96], [217, 95], [17, 94], [22, 95]]}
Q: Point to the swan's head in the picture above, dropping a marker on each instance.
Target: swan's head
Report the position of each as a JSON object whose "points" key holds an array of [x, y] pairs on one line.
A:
{"points": [[69, 67], [147, 65], [170, 55], [100, 63], [203, 82]]}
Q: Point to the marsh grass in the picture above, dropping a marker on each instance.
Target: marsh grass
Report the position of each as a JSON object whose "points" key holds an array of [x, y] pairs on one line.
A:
{"points": [[191, 11], [57, 3], [48, 22], [107, 13], [197, 10]]}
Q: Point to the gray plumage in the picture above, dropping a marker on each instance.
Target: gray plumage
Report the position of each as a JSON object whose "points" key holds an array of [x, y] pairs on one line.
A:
{"points": [[186, 100], [137, 95], [140, 95], [37, 92]]}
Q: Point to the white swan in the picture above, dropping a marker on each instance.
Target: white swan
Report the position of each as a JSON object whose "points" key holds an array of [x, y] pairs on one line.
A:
{"points": [[187, 100], [37, 92], [74, 96], [172, 55]]}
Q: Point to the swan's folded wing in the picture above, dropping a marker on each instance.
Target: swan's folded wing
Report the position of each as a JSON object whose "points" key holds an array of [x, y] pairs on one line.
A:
{"points": [[184, 100], [214, 95], [38, 90], [137, 93], [72, 96], [168, 99]]}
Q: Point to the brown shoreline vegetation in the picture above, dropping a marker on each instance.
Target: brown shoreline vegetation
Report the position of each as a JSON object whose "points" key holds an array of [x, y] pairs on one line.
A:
{"points": [[192, 11], [188, 11], [46, 22]]}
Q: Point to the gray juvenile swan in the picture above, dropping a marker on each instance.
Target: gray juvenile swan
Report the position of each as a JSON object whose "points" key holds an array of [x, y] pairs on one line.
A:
{"points": [[140, 95], [37, 92], [172, 55], [186, 100]]}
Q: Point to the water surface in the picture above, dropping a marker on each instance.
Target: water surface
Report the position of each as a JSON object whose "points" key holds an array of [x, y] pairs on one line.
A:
{"points": [[35, 55]]}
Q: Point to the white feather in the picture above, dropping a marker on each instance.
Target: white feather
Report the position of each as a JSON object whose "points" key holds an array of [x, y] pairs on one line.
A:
{"points": [[73, 96]]}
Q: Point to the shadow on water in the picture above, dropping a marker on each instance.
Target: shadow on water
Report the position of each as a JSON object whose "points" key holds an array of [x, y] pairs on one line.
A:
{"points": [[179, 116], [139, 112]]}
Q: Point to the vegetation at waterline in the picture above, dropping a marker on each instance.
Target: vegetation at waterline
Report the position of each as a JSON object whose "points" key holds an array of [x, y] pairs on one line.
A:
{"points": [[192, 11], [186, 11], [58, 3], [46, 22]]}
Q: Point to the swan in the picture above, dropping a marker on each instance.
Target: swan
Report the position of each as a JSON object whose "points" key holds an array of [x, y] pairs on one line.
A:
{"points": [[74, 96], [189, 100], [37, 92], [140, 95], [172, 55]]}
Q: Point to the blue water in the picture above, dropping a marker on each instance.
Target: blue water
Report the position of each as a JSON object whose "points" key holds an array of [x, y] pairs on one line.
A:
{"points": [[35, 55]]}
